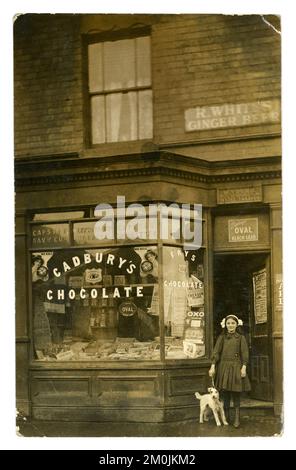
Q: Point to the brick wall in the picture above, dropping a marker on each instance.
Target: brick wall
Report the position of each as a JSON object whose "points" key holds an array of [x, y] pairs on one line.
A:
{"points": [[211, 59], [48, 88], [197, 60]]}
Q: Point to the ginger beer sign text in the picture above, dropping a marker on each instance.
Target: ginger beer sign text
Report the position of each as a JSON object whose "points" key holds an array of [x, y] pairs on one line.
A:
{"points": [[232, 115]]}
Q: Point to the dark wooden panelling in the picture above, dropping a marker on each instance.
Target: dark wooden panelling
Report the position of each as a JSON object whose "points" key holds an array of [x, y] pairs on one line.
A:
{"points": [[127, 390], [22, 380], [58, 390], [185, 385], [137, 385], [94, 413], [181, 386]]}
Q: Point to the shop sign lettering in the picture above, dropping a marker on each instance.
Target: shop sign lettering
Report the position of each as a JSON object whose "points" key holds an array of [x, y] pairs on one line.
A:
{"points": [[83, 233], [127, 309], [243, 230], [238, 195], [232, 115], [196, 314], [279, 291], [50, 235], [54, 294]]}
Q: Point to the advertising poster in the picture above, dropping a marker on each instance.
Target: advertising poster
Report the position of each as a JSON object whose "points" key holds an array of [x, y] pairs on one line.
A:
{"points": [[260, 296]]}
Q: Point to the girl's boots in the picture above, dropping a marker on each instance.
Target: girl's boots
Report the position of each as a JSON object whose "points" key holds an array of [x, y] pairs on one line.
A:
{"points": [[236, 422]]}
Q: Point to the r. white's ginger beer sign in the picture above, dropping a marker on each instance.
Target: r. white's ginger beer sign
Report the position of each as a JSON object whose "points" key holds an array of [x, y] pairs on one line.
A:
{"points": [[232, 115]]}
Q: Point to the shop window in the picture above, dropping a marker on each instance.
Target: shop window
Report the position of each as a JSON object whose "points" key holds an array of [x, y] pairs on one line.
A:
{"points": [[98, 300], [184, 316], [96, 304], [120, 94]]}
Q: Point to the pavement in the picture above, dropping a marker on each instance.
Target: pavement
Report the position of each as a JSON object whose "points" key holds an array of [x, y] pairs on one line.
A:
{"points": [[251, 425]]}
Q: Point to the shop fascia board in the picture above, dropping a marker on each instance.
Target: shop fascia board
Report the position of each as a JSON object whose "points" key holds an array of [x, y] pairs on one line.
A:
{"points": [[160, 163]]}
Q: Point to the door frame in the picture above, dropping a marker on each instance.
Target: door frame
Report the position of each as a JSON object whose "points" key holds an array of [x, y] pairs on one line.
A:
{"points": [[267, 253]]}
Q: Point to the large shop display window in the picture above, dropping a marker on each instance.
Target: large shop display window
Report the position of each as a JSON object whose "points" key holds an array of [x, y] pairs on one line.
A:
{"points": [[184, 317], [128, 302], [96, 304]]}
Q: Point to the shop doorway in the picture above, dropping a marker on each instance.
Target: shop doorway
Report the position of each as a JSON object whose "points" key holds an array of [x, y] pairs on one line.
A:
{"points": [[241, 286]]}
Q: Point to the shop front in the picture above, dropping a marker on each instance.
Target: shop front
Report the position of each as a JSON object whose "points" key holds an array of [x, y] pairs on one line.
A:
{"points": [[122, 329], [109, 316]]}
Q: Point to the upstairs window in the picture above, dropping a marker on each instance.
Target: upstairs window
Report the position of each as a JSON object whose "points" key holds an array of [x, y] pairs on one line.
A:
{"points": [[120, 94]]}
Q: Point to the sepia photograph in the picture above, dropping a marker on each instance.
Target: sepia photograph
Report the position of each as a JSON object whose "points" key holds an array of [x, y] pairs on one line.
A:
{"points": [[148, 225]]}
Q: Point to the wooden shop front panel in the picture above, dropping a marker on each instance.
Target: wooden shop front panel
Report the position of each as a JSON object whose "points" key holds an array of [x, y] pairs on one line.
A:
{"points": [[97, 395]]}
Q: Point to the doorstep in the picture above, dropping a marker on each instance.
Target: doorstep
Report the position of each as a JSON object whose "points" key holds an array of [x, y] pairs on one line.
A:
{"points": [[253, 407]]}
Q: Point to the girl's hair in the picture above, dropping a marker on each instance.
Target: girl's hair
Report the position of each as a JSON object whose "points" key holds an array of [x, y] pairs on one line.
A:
{"points": [[234, 317]]}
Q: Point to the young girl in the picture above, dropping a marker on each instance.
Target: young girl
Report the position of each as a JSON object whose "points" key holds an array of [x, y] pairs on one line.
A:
{"points": [[229, 362]]}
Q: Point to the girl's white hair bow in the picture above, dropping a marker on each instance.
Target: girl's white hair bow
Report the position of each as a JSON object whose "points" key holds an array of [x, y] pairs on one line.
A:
{"points": [[239, 321]]}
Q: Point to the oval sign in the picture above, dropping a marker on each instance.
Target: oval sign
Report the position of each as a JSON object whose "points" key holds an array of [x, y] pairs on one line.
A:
{"points": [[127, 309], [146, 266]]}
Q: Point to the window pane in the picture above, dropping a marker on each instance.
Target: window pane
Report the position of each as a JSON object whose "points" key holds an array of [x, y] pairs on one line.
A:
{"points": [[47, 216], [170, 229], [84, 233], [145, 115], [143, 61], [121, 117], [98, 304], [119, 64], [50, 235], [95, 67], [98, 119], [183, 303]]}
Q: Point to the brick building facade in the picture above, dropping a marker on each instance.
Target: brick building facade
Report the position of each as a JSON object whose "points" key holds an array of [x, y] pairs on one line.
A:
{"points": [[215, 87]]}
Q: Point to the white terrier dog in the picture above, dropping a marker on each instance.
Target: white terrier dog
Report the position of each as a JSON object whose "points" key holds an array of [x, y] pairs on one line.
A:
{"points": [[211, 401]]}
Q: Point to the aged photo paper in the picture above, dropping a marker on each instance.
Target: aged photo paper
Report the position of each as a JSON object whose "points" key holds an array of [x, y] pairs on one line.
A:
{"points": [[148, 224]]}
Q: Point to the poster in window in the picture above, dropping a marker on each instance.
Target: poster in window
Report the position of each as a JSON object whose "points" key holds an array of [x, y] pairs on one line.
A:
{"points": [[260, 296], [195, 293]]}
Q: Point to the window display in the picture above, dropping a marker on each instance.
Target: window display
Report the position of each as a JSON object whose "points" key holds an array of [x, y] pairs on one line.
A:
{"points": [[103, 303], [184, 317], [96, 304]]}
